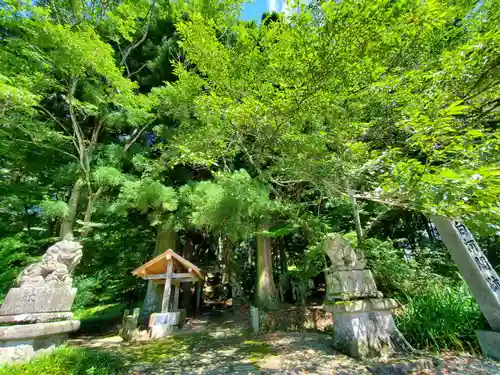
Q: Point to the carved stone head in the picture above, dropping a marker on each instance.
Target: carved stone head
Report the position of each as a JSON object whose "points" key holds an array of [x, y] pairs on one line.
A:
{"points": [[55, 267], [341, 253]]}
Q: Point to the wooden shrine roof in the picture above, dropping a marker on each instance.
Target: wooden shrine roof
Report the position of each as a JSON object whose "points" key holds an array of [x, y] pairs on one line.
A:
{"points": [[158, 265]]}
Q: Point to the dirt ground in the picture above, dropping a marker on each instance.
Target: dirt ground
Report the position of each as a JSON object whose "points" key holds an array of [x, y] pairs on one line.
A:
{"points": [[222, 344]]}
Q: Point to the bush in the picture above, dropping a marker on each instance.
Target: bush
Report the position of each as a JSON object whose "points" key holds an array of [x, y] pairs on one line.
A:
{"points": [[86, 295], [69, 361], [441, 317], [14, 256]]}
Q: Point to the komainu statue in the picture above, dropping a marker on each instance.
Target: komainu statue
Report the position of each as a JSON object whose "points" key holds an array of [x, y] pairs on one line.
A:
{"points": [[55, 267], [341, 253]]}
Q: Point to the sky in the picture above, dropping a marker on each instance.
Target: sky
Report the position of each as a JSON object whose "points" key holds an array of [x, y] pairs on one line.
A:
{"points": [[253, 10]]}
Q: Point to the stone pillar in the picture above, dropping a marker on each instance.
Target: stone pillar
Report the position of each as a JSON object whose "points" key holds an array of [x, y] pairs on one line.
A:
{"points": [[480, 276], [362, 320], [129, 330]]}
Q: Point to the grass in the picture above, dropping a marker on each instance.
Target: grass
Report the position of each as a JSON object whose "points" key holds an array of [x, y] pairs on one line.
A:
{"points": [[69, 361], [441, 317], [184, 349], [100, 319], [104, 312]]}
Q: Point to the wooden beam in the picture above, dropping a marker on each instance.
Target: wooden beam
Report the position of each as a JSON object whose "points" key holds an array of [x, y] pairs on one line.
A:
{"points": [[168, 284], [199, 295], [184, 280], [172, 276], [175, 306]]}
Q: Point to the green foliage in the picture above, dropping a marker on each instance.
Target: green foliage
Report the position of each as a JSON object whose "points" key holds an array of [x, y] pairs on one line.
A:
{"points": [[54, 208], [145, 195], [179, 116], [108, 176], [13, 258], [442, 316], [395, 273], [87, 292], [99, 312], [233, 204], [69, 361], [306, 101]]}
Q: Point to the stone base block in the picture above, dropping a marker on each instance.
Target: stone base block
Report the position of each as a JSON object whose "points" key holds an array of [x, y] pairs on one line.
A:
{"points": [[161, 331], [24, 341], [35, 318], [25, 350], [166, 324], [368, 334], [30, 331], [346, 285], [31, 300], [362, 305], [490, 343], [172, 318]]}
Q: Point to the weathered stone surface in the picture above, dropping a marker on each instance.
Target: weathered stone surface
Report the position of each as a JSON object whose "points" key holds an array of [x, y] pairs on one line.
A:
{"points": [[129, 330], [350, 284], [490, 343], [160, 331], [24, 350], [55, 267], [172, 318], [364, 305], [35, 317], [29, 331], [38, 300], [368, 334], [477, 271], [342, 254]]}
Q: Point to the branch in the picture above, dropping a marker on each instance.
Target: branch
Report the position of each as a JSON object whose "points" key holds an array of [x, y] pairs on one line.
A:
{"points": [[39, 145], [137, 71], [378, 220], [124, 63], [136, 134], [143, 38], [397, 203], [77, 129], [56, 120]]}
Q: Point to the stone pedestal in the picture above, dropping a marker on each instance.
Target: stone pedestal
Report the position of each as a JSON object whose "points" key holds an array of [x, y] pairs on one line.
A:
{"points": [[362, 320], [22, 342], [350, 284], [366, 328], [34, 320], [38, 300], [36, 317], [165, 324]]}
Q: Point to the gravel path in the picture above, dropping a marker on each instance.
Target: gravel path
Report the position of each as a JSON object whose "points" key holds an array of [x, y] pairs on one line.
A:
{"points": [[224, 348]]}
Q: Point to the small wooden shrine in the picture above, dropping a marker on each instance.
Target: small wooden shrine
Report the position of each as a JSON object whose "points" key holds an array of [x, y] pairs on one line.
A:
{"points": [[170, 269]]}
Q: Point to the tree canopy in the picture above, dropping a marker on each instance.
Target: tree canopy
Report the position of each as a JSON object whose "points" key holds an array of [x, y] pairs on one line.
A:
{"points": [[124, 123]]}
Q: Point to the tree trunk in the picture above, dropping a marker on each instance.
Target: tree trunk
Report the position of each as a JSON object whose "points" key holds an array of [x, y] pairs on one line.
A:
{"points": [[266, 296], [355, 212], [284, 284], [66, 232], [186, 287], [228, 265], [165, 239], [88, 212]]}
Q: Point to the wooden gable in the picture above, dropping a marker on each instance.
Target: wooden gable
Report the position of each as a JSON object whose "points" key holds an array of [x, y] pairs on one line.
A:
{"points": [[158, 266]]}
